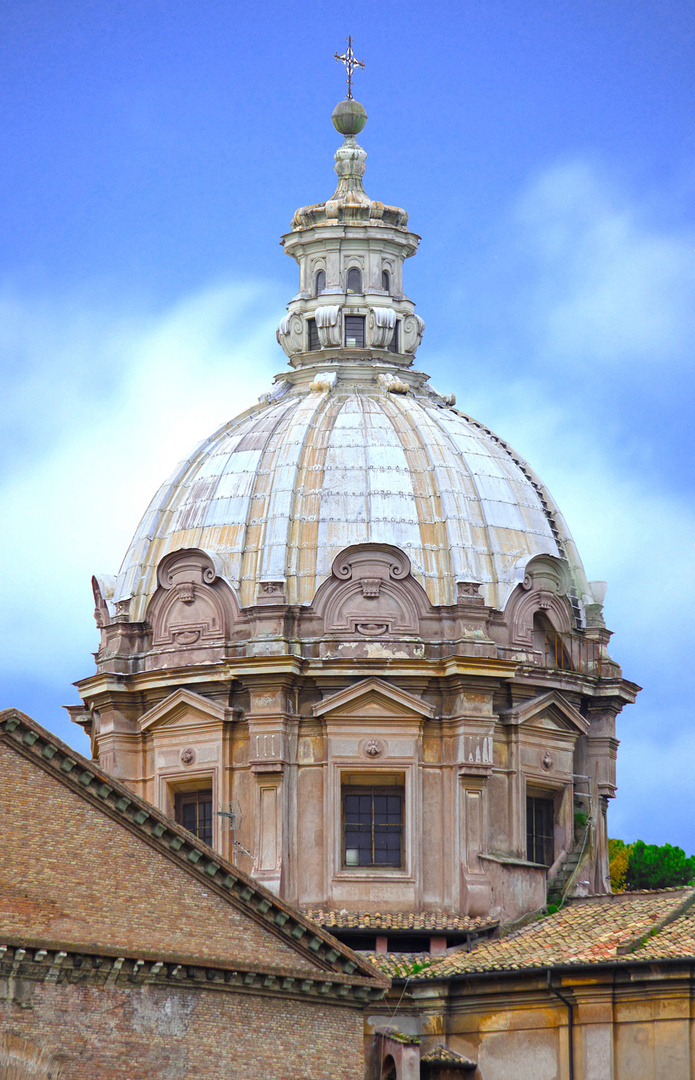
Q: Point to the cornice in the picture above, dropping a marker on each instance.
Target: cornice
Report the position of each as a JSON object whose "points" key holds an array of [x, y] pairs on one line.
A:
{"points": [[53, 962], [290, 665]]}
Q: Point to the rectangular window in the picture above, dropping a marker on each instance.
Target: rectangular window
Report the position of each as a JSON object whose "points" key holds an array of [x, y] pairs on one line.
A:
{"points": [[314, 342], [540, 840], [372, 826], [354, 331], [194, 811], [393, 345]]}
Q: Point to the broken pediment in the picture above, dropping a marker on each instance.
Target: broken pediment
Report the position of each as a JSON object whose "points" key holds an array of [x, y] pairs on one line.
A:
{"points": [[373, 698], [183, 708], [371, 594], [551, 712]]}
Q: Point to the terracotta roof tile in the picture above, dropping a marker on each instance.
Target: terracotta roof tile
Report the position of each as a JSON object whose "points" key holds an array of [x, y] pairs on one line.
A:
{"points": [[399, 920], [623, 928], [441, 1055], [399, 965]]}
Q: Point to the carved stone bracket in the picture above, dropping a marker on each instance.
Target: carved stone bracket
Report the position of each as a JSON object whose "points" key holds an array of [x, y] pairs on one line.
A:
{"points": [[270, 592]]}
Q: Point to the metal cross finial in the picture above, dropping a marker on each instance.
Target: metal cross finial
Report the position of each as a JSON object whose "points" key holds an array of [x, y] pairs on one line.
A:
{"points": [[348, 58]]}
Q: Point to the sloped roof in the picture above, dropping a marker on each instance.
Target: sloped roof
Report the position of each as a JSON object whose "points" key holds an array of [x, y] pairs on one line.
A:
{"points": [[437, 920], [628, 927], [400, 965], [441, 1055], [337, 969]]}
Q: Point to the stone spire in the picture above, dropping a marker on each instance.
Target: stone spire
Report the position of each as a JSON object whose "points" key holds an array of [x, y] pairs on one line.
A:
{"points": [[350, 250]]}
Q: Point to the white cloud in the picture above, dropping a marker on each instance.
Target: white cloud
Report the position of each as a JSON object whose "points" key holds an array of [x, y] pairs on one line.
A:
{"points": [[587, 371], [613, 288], [72, 509]]}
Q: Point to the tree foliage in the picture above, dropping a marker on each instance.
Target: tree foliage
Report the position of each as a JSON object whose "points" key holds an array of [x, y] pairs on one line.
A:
{"points": [[618, 858], [648, 866]]}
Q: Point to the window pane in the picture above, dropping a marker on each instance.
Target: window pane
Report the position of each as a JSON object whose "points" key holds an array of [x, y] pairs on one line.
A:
{"points": [[354, 331], [540, 839], [194, 811], [373, 822]]}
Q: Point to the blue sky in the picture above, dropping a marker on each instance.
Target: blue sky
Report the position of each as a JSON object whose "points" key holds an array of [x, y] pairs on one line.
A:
{"points": [[154, 152]]}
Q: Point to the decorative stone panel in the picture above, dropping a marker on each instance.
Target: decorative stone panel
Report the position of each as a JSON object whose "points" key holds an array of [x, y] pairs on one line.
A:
{"points": [[371, 594]]}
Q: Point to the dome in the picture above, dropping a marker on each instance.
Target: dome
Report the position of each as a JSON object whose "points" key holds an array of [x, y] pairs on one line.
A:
{"points": [[279, 491], [354, 588], [353, 445]]}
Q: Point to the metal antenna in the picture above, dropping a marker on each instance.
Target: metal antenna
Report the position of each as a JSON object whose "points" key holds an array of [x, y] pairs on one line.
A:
{"points": [[233, 817], [348, 58]]}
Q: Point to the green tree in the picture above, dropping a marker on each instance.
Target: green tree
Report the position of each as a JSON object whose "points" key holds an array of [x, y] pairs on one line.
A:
{"points": [[651, 866]]}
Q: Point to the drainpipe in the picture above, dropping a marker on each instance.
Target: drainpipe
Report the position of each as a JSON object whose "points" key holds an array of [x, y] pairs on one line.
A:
{"points": [[570, 1024]]}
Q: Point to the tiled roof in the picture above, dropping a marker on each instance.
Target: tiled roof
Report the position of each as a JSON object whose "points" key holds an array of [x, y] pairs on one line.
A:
{"points": [[398, 965], [441, 1055], [183, 848], [399, 920], [598, 930]]}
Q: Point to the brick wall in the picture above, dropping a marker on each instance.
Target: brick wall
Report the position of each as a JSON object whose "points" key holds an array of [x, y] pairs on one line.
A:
{"points": [[78, 1030]]}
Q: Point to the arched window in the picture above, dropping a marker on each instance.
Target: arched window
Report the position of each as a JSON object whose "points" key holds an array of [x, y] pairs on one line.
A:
{"points": [[386, 281], [320, 282], [388, 1069], [354, 279]]}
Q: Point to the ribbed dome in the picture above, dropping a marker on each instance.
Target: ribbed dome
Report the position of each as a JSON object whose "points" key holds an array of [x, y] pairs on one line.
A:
{"points": [[277, 492]]}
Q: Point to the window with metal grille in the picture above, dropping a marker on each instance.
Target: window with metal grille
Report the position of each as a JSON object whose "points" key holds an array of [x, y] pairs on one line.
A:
{"points": [[372, 826], [314, 342], [540, 840], [354, 280], [386, 281], [354, 331], [320, 282], [194, 811], [393, 343]]}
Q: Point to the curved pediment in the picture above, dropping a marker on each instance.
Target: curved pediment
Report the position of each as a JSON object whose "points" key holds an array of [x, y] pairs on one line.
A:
{"points": [[192, 605], [371, 594], [544, 589]]}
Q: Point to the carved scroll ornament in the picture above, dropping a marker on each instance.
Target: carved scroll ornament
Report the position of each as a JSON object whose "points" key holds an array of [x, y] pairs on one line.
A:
{"points": [[371, 594], [191, 605], [381, 324]]}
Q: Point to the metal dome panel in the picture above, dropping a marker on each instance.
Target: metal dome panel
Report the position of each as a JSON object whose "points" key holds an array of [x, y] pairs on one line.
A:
{"points": [[279, 491]]}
